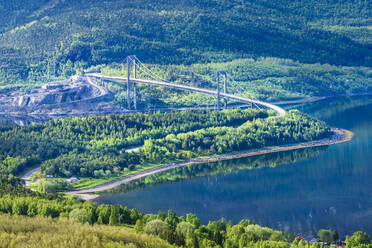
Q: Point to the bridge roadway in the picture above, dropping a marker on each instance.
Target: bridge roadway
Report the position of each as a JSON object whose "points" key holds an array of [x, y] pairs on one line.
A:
{"points": [[278, 109]]}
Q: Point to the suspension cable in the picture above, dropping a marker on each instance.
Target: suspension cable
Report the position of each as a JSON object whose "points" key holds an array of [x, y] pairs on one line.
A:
{"points": [[237, 85], [146, 74], [152, 73]]}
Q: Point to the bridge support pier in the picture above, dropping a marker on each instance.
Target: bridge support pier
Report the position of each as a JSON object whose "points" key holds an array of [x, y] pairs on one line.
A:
{"points": [[131, 60], [128, 80], [135, 84], [224, 88]]}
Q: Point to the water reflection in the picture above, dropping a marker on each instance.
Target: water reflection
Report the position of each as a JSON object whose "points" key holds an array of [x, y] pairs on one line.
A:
{"points": [[331, 109], [312, 189], [222, 167]]}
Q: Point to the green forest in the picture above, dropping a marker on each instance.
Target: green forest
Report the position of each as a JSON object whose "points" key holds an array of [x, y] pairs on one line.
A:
{"points": [[101, 141], [95, 146]]}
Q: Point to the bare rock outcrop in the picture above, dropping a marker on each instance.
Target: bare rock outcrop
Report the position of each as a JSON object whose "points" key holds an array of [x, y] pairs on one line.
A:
{"points": [[75, 96]]}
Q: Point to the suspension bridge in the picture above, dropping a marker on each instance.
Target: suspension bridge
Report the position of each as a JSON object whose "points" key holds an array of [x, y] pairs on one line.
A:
{"points": [[135, 64]]}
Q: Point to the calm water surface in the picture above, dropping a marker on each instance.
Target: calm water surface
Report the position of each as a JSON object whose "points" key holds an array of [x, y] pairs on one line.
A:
{"points": [[301, 191]]}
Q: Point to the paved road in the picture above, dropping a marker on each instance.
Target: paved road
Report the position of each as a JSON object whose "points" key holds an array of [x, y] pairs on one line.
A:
{"points": [[134, 149], [26, 177], [30, 173], [102, 90]]}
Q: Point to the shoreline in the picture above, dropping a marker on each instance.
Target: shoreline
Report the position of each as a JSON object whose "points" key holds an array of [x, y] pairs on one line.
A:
{"points": [[339, 136], [321, 98]]}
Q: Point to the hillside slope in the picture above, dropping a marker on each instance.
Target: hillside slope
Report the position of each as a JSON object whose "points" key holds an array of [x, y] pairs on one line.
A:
{"points": [[16, 231], [40, 38]]}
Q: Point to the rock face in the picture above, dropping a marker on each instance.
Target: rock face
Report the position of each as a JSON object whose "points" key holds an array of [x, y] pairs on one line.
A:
{"points": [[57, 93], [52, 95], [72, 97]]}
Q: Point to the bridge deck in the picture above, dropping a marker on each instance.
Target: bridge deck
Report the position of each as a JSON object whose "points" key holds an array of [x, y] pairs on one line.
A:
{"points": [[278, 109]]}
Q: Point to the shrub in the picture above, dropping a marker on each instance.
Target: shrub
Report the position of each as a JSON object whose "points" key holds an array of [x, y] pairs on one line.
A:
{"points": [[185, 228], [155, 227], [79, 215], [359, 239]]}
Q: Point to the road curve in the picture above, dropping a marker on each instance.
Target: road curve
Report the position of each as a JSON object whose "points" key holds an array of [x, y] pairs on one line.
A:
{"points": [[30, 173], [27, 177], [276, 108]]}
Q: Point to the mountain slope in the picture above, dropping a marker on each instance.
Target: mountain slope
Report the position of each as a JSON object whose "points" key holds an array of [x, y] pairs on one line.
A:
{"points": [[45, 35]]}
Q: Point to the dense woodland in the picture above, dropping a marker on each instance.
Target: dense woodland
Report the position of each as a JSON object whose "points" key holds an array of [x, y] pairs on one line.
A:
{"points": [[95, 146], [104, 138], [182, 32]]}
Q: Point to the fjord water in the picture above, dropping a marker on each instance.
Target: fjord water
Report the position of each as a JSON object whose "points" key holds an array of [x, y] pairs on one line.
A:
{"points": [[300, 191]]}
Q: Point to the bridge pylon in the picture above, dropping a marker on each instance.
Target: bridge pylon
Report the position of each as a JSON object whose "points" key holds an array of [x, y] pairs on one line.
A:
{"points": [[135, 84], [131, 60], [219, 73]]}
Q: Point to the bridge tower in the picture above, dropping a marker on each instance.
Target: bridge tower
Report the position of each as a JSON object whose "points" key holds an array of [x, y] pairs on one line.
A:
{"points": [[135, 84], [131, 60], [219, 73], [128, 82]]}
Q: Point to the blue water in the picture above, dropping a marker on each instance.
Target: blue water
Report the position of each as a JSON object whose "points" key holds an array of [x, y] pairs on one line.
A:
{"points": [[318, 188]]}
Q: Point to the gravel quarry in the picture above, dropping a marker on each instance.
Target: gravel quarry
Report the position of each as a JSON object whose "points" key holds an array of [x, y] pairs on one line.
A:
{"points": [[76, 96]]}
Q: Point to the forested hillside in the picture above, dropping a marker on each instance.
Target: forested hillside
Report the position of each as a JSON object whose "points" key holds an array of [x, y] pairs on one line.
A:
{"points": [[43, 39]]}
